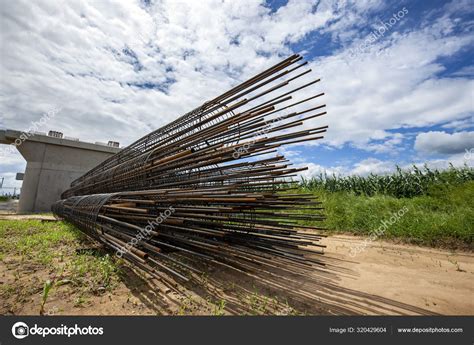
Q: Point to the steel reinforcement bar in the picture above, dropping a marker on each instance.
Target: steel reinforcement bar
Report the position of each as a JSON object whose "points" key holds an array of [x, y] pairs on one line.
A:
{"points": [[212, 186]]}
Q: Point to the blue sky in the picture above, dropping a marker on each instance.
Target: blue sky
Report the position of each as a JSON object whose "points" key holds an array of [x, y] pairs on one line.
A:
{"points": [[398, 75]]}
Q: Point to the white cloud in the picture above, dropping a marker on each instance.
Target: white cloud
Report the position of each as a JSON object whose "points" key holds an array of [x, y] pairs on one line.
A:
{"points": [[467, 71], [388, 143], [317, 169], [91, 57], [11, 157], [11, 163], [460, 124], [444, 143], [400, 87], [457, 160], [380, 167], [372, 165]]}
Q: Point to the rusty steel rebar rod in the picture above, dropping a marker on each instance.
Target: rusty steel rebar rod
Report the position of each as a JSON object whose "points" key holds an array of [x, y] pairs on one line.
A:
{"points": [[211, 186]]}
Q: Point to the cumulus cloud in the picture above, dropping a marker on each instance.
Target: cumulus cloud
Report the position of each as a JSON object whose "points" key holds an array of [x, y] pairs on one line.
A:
{"points": [[467, 71], [444, 143], [10, 165], [317, 169], [456, 160], [121, 69], [135, 67], [460, 124], [372, 165], [380, 167], [399, 88]]}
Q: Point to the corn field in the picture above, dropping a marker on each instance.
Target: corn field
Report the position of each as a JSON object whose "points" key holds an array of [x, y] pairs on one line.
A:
{"points": [[400, 184]]}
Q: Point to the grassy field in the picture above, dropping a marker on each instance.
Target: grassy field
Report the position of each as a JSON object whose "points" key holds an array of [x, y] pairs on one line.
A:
{"points": [[49, 243], [439, 212], [60, 257], [51, 268]]}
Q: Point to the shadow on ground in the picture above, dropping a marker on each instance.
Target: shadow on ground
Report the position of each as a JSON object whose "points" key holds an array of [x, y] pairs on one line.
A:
{"points": [[224, 290]]}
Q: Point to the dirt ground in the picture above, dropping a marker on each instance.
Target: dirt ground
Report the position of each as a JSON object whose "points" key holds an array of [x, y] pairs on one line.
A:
{"points": [[436, 280], [42, 217], [384, 278], [8, 207]]}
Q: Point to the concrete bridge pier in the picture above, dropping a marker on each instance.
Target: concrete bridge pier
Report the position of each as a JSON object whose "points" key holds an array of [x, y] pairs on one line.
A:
{"points": [[51, 165]]}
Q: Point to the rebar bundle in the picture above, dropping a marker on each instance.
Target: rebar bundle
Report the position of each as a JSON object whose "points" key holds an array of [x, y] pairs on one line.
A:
{"points": [[211, 186]]}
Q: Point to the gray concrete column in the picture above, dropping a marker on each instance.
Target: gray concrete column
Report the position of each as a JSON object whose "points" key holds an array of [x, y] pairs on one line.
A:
{"points": [[52, 164]]}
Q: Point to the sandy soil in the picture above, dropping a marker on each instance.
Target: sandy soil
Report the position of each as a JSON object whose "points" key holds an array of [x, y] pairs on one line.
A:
{"points": [[384, 278], [436, 280], [14, 216]]}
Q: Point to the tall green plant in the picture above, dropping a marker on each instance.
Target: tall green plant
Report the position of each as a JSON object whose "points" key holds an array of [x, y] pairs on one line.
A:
{"points": [[401, 183]]}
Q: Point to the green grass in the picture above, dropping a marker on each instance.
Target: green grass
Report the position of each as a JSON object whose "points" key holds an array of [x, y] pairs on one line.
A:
{"points": [[444, 216], [35, 240], [57, 248], [92, 269]]}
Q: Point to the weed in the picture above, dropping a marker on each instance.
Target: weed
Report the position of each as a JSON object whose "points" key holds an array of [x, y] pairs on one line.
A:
{"points": [[46, 288], [219, 308]]}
